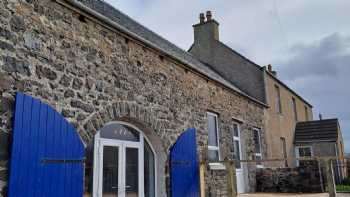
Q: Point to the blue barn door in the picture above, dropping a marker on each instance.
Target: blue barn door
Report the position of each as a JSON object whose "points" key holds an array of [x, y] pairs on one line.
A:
{"points": [[184, 166], [47, 154]]}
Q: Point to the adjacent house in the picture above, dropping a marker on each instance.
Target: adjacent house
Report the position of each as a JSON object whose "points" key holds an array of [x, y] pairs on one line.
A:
{"points": [[286, 109], [321, 138], [96, 103], [285, 106]]}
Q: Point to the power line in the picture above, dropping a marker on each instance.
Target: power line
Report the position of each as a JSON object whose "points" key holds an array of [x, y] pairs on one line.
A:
{"points": [[275, 7]]}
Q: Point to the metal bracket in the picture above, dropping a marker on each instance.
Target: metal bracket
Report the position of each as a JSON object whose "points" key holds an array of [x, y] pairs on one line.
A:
{"points": [[62, 161]]}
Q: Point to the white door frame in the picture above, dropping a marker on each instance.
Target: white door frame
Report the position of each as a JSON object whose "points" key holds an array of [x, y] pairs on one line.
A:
{"points": [[99, 144]]}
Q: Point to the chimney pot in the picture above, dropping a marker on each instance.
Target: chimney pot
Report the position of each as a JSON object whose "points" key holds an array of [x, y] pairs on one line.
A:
{"points": [[201, 18], [320, 116], [269, 68], [209, 16]]}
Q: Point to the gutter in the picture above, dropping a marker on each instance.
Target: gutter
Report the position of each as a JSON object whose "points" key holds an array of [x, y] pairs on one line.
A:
{"points": [[106, 20]]}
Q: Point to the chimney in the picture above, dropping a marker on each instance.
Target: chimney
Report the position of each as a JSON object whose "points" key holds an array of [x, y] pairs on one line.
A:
{"points": [[201, 18], [209, 15], [320, 116], [269, 68], [207, 29]]}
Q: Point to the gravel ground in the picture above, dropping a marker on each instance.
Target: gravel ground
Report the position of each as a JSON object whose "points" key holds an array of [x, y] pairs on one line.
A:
{"points": [[292, 195]]}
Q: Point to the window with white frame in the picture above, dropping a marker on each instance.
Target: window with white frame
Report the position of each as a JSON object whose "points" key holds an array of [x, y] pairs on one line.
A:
{"points": [[303, 151], [257, 146], [213, 137], [237, 154]]}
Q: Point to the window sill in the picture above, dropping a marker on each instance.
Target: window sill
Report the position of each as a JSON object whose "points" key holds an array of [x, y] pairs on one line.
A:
{"points": [[259, 166], [217, 166]]}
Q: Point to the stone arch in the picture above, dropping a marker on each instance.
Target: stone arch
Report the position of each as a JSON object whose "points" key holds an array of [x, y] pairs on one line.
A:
{"points": [[146, 120]]}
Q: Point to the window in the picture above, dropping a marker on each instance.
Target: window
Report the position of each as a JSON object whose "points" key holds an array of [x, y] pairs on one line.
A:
{"points": [[257, 145], [213, 137], [278, 99], [294, 105], [284, 150], [306, 113], [303, 151], [237, 146]]}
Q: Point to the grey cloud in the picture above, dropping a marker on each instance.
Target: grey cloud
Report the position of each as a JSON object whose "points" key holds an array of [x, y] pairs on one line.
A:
{"points": [[320, 73], [327, 57]]}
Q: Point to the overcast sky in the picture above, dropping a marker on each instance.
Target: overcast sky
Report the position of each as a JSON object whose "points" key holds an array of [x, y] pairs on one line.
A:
{"points": [[306, 41]]}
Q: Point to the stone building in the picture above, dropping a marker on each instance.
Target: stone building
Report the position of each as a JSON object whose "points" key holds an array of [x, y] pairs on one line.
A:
{"points": [[258, 82], [101, 70]]}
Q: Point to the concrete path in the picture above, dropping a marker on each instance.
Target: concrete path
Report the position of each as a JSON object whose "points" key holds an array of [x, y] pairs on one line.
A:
{"points": [[291, 195]]}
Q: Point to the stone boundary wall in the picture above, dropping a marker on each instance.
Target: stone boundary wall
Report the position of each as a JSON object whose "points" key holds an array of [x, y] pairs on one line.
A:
{"points": [[290, 180]]}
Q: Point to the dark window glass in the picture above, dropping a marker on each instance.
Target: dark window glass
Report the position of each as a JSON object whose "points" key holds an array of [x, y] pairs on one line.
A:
{"points": [[278, 99], [235, 130], [257, 141], [110, 171], [149, 170], [294, 103], [304, 152], [237, 154], [132, 172], [120, 132], [213, 155]]}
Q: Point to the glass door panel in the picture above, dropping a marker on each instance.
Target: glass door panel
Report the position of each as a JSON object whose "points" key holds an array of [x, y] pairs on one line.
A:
{"points": [[110, 171], [131, 172]]}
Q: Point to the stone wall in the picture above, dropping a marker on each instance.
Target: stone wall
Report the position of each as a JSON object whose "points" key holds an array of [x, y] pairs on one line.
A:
{"points": [[290, 180], [93, 75]]}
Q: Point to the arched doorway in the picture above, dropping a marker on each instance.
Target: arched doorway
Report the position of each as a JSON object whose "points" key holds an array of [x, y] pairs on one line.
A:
{"points": [[124, 162]]}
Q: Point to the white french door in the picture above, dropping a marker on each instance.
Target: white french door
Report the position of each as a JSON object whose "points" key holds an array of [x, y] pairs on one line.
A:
{"points": [[118, 169]]}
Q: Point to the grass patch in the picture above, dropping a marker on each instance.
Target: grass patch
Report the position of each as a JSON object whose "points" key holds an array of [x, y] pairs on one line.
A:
{"points": [[343, 188]]}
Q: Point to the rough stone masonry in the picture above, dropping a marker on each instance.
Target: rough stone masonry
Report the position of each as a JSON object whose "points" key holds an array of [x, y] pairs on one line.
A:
{"points": [[92, 75]]}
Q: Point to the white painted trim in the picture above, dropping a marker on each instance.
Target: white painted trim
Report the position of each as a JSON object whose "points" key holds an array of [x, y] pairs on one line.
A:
{"points": [[217, 148], [217, 166]]}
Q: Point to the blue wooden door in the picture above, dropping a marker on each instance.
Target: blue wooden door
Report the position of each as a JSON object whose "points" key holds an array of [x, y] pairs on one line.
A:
{"points": [[47, 153], [184, 170]]}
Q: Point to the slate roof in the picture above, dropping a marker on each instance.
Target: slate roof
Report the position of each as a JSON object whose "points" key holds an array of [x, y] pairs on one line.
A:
{"points": [[239, 70], [318, 130], [133, 28]]}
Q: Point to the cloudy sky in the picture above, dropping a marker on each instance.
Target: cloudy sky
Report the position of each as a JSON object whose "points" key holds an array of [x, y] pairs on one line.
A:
{"points": [[307, 41]]}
